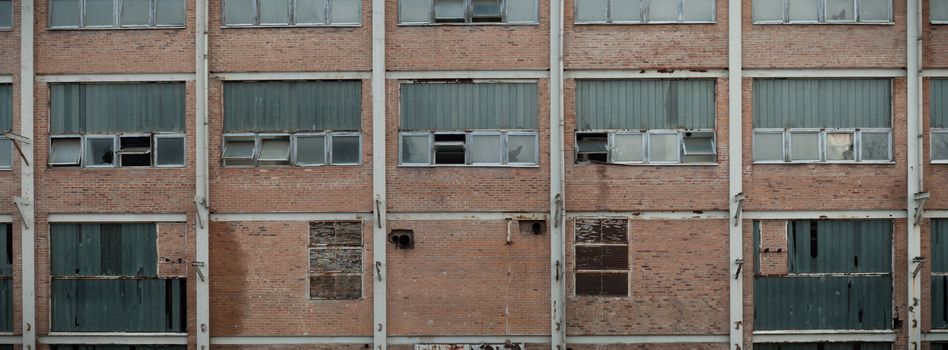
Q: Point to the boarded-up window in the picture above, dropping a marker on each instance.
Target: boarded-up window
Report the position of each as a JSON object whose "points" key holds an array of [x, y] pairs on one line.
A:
{"points": [[112, 269], [601, 254], [335, 260], [6, 278], [939, 254]]}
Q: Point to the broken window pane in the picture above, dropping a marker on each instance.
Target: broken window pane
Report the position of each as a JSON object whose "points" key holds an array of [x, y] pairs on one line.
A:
{"points": [[65, 151], [135, 12], [804, 146], [486, 10], [627, 11], [939, 10], [874, 10], [486, 149], [768, 146], [592, 147], [804, 11], [239, 12], [413, 11], [768, 10], [662, 11], [939, 145], [449, 10], [522, 149], [415, 149], [840, 10], [697, 10], [169, 12], [602, 231], [592, 11], [65, 13], [274, 11], [310, 12], [100, 151], [99, 13], [839, 146], [346, 11], [612, 257], [521, 11], [6, 153], [310, 149], [628, 148], [6, 13], [663, 148], [169, 151], [345, 149], [449, 149], [135, 151], [874, 146]]}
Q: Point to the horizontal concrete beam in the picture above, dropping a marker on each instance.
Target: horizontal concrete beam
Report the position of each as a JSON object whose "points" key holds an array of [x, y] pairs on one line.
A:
{"points": [[470, 339], [646, 74], [290, 216], [935, 73], [118, 78], [935, 214], [446, 216], [936, 335], [294, 76], [108, 217], [115, 338], [307, 340], [818, 214], [11, 339], [823, 73], [653, 215], [479, 74], [823, 336]]}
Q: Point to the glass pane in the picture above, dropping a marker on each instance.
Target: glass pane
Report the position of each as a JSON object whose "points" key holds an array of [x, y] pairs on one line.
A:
{"points": [[939, 10], [592, 10], [874, 10], [135, 12], [592, 143], [522, 149], [65, 13], [521, 11], [169, 151], [805, 146], [415, 149], [6, 13], [238, 11], [804, 11], [414, 11], [100, 151], [486, 8], [486, 149], [840, 147], [100, 13], [768, 10], [662, 10], [840, 10], [170, 12], [627, 11], [345, 149], [663, 148], [239, 149], [939, 146], [346, 11], [449, 9], [311, 150], [627, 148], [274, 11], [310, 12], [698, 10], [875, 146], [6, 153], [64, 151], [699, 144], [768, 147], [275, 149]]}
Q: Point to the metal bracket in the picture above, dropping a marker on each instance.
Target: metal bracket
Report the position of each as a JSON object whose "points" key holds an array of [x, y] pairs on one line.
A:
{"points": [[17, 140], [378, 212], [197, 268], [740, 266], [200, 203], [558, 203], [919, 261], [557, 270], [920, 199], [378, 270], [739, 199], [21, 204]]}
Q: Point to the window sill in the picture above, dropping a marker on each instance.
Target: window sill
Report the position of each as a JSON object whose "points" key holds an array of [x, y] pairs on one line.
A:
{"points": [[126, 168], [641, 23], [826, 23], [285, 26], [6, 29], [286, 166], [119, 334], [481, 24], [6, 169], [649, 164], [822, 163], [601, 298], [52, 29]]}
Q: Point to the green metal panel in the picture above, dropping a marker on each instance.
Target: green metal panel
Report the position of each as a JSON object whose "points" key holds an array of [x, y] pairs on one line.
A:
{"points": [[939, 254], [292, 106], [115, 108], [6, 107], [800, 303], [822, 103], [939, 103], [822, 346], [939, 302], [104, 249], [6, 304], [839, 246], [645, 104], [468, 106], [132, 305]]}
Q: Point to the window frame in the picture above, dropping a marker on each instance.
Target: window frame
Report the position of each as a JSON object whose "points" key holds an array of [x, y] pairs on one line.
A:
{"points": [[628, 271], [294, 149], [468, 12], [931, 16], [931, 154], [505, 161], [116, 18], [12, 19], [401, 142], [821, 15], [506, 150], [115, 145], [646, 148], [253, 156], [259, 140], [155, 150], [82, 150], [292, 160], [611, 146], [783, 145], [291, 17], [470, 137], [334, 134], [644, 15], [118, 149], [12, 157], [822, 132]]}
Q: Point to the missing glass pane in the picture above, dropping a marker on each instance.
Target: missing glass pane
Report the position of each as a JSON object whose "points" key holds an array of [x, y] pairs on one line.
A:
{"points": [[592, 147], [449, 148], [134, 151]]}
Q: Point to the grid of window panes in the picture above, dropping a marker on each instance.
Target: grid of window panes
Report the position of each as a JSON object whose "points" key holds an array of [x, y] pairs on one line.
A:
{"points": [[645, 11], [292, 12], [6, 14], [116, 13], [822, 11]]}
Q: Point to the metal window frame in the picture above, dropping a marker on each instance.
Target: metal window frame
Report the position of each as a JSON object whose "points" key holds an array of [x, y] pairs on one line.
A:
{"points": [[152, 16], [155, 149], [824, 134], [628, 244], [612, 146], [118, 147], [261, 137], [789, 147], [2, 168], [335, 134], [931, 15], [49, 16], [931, 155], [648, 148], [82, 145], [231, 136], [115, 145], [822, 18], [224, 18], [294, 148], [12, 17], [326, 21], [536, 148], [115, 13], [784, 150], [887, 131], [401, 144], [820, 4], [714, 14], [468, 12], [116, 17], [289, 14], [885, 21], [826, 19], [183, 24], [331, 22], [469, 144]]}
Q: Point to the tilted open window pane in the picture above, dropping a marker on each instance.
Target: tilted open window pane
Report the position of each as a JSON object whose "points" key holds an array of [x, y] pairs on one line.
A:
{"points": [[100, 151], [939, 145], [768, 147], [593, 11], [239, 12], [449, 10], [628, 148], [135, 151], [239, 150], [310, 149], [169, 12], [697, 10], [487, 149], [169, 151], [840, 147], [663, 148], [874, 10], [6, 153], [522, 149], [310, 11], [804, 11], [275, 149], [662, 10], [135, 12], [99, 13], [6, 13], [344, 149], [840, 10], [416, 149], [939, 10], [64, 13], [65, 151], [874, 146], [346, 11], [698, 143], [768, 10], [805, 146], [274, 11]]}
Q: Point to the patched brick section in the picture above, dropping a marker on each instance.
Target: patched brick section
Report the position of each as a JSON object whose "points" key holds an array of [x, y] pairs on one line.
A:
{"points": [[173, 249], [678, 268], [690, 346], [463, 278], [467, 188], [610, 187], [827, 186], [261, 284], [645, 46], [773, 247], [331, 188]]}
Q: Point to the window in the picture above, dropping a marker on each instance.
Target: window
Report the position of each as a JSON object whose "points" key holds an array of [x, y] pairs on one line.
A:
{"points": [[652, 147], [120, 263], [822, 11], [601, 257], [474, 124], [467, 11], [939, 11], [116, 13], [115, 347], [303, 13], [821, 346], [300, 149], [822, 121], [645, 11], [939, 276], [335, 260], [6, 277], [90, 125], [6, 123], [6, 14], [939, 121]]}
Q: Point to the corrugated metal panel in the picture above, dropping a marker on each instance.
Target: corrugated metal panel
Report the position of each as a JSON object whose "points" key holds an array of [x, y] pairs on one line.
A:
{"points": [[795, 303], [839, 246], [939, 302], [939, 103], [292, 106], [116, 108], [6, 278], [468, 106], [644, 104], [822, 103], [127, 305], [823, 346], [756, 234], [104, 249], [939, 254], [6, 107]]}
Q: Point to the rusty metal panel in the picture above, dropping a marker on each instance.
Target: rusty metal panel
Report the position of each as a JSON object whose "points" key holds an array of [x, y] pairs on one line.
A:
{"points": [[823, 302], [839, 246], [606, 231], [823, 346]]}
